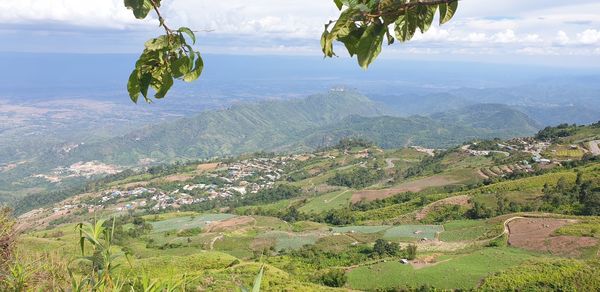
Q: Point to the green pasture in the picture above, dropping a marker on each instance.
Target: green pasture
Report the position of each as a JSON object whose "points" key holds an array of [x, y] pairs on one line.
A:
{"points": [[289, 240], [326, 202], [452, 271], [464, 230], [188, 222]]}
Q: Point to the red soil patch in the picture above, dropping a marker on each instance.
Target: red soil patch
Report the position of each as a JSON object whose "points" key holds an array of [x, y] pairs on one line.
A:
{"points": [[176, 178], [535, 234], [482, 175], [411, 186], [457, 200], [230, 224], [207, 166]]}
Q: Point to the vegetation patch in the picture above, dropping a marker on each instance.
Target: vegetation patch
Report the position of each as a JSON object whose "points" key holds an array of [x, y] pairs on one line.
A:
{"points": [[411, 186], [452, 272], [188, 222], [467, 230], [326, 202]]}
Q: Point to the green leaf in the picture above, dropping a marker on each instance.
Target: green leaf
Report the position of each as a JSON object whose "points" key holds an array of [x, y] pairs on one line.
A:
{"points": [[189, 32], [258, 280], [133, 86], [181, 66], [167, 83], [339, 4], [195, 73], [447, 11], [370, 43], [140, 8], [156, 44], [352, 39], [327, 41], [145, 81], [344, 25], [406, 25], [426, 14]]}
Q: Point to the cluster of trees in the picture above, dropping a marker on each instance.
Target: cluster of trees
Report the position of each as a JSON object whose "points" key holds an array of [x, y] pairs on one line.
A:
{"points": [[428, 165], [580, 198], [269, 195], [554, 133], [583, 198], [334, 278], [486, 144], [339, 217], [349, 143], [139, 227], [360, 177], [503, 206], [380, 203]]}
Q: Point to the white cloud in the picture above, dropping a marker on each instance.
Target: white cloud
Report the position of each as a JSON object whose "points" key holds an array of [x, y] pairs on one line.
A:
{"points": [[507, 36], [562, 38], [476, 37], [483, 27], [589, 37], [86, 13]]}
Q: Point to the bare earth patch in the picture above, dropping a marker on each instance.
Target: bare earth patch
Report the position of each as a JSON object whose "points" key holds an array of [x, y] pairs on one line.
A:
{"points": [[482, 175], [207, 167], [462, 200], [176, 177], [427, 261], [535, 234], [230, 224], [412, 186]]}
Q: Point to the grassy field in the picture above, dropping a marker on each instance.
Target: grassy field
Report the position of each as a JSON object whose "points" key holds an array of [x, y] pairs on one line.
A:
{"points": [[412, 231], [288, 240], [464, 230], [453, 271], [398, 232], [326, 202], [187, 222]]}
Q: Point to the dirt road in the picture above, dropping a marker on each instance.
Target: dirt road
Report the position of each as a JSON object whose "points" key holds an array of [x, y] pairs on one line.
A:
{"points": [[594, 147]]}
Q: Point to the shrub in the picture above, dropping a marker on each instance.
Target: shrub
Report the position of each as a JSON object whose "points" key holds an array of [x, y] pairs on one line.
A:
{"points": [[334, 278]]}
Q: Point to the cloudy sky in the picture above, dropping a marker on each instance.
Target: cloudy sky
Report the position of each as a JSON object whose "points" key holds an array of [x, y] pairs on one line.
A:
{"points": [[549, 31]]}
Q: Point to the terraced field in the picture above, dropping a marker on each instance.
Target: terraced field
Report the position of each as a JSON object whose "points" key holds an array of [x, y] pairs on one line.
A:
{"points": [[399, 232], [410, 186], [326, 202], [188, 222]]}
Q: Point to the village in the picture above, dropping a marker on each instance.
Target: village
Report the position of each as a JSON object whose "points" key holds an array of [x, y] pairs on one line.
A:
{"points": [[235, 179]]}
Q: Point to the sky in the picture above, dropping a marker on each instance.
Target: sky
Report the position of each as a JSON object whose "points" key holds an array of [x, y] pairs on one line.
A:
{"points": [[554, 32]]}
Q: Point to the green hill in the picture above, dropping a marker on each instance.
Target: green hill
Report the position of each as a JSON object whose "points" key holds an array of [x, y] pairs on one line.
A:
{"points": [[442, 130], [269, 125]]}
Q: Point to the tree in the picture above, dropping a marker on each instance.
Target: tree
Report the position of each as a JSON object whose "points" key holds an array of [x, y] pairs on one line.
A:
{"points": [[339, 217], [361, 27], [382, 248]]}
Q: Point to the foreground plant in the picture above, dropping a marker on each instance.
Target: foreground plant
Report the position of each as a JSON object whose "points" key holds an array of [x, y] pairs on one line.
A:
{"points": [[364, 24], [103, 274]]}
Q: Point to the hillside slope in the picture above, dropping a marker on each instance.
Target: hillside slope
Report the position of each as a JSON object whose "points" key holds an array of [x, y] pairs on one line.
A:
{"points": [[439, 130]]}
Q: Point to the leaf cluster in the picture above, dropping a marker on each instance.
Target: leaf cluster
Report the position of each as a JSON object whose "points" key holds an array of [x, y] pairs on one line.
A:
{"points": [[364, 24], [164, 59]]}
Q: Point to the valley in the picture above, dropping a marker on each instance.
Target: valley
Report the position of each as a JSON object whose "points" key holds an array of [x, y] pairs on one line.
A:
{"points": [[349, 216]]}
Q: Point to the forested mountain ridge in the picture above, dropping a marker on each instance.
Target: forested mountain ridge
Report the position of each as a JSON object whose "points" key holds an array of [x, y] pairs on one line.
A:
{"points": [[294, 125]]}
